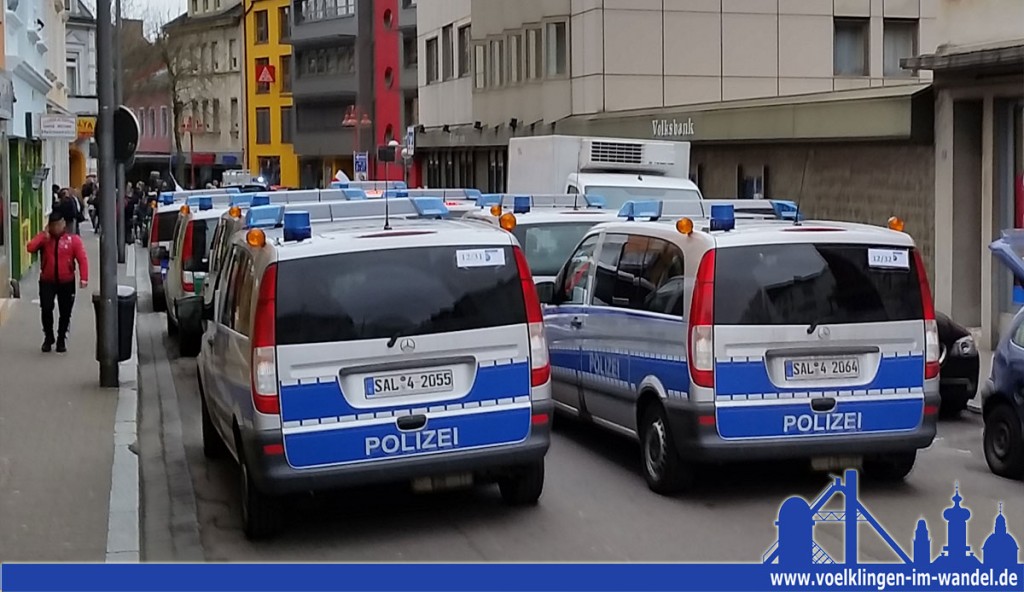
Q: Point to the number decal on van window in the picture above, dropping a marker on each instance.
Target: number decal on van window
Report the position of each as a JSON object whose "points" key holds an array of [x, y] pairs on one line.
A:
{"points": [[889, 258], [480, 258]]}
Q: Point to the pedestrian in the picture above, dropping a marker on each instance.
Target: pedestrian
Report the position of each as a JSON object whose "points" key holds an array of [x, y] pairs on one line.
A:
{"points": [[60, 252], [130, 201], [66, 207], [91, 197]]}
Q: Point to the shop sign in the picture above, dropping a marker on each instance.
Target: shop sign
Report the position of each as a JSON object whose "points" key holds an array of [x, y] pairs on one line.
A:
{"points": [[672, 128], [86, 126], [64, 127]]}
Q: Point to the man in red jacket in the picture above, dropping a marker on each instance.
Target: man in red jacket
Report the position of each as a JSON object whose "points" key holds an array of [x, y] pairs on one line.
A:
{"points": [[59, 253]]}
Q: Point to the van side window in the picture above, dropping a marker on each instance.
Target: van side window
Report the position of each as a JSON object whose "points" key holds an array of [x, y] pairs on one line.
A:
{"points": [[218, 239], [231, 285], [627, 293], [575, 278], [178, 235], [606, 276], [243, 299], [662, 285]]}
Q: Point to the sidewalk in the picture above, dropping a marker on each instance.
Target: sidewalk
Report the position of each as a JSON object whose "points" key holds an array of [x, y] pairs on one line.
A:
{"points": [[57, 435]]}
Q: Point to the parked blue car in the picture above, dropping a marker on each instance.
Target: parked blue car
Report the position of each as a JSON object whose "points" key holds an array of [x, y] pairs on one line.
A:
{"points": [[1003, 394]]}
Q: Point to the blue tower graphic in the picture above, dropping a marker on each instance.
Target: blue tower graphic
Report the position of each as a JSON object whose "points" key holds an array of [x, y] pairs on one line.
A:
{"points": [[796, 546]]}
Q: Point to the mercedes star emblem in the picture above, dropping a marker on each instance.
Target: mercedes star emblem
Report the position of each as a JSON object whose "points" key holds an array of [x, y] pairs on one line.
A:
{"points": [[408, 345]]}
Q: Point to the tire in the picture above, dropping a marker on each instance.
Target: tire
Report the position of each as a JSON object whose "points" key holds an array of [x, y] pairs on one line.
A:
{"points": [[890, 468], [1004, 443], [172, 328], [665, 471], [950, 410], [189, 344], [525, 486], [159, 303], [213, 445], [261, 516]]}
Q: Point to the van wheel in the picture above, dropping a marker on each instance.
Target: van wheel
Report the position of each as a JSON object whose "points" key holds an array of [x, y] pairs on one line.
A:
{"points": [[159, 303], [666, 473], [1004, 443], [890, 468], [260, 512], [189, 344], [525, 486]]}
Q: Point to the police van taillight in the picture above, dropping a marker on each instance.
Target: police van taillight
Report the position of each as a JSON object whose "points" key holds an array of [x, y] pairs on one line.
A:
{"points": [[264, 353], [540, 364], [187, 278], [153, 234], [931, 327], [701, 350]]}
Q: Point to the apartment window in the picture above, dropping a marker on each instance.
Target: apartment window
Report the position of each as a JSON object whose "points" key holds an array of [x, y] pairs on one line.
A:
{"points": [[141, 115], [534, 54], [205, 116], [286, 125], [216, 4], [465, 57], [557, 49], [284, 23], [431, 60], [480, 66], [447, 53], [72, 73], [262, 88], [233, 54], [328, 60], [165, 122], [204, 56], [408, 3], [152, 121], [262, 125], [234, 117], [285, 74], [195, 6], [410, 52], [206, 5], [262, 27], [850, 50], [216, 116], [899, 40], [515, 58], [318, 10], [497, 62], [215, 56]]}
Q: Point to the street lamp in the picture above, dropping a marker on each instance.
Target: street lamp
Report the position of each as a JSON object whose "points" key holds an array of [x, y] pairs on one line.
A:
{"points": [[406, 157], [356, 118], [387, 177]]}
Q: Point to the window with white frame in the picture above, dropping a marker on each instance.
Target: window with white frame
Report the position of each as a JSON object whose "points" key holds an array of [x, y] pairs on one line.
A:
{"points": [[515, 58], [447, 53], [233, 54], [557, 49], [164, 122], [431, 58], [465, 55], [497, 63], [72, 74], [899, 41], [480, 66], [534, 54]]}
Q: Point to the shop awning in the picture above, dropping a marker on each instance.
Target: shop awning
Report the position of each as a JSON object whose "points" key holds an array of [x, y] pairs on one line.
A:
{"points": [[901, 112]]}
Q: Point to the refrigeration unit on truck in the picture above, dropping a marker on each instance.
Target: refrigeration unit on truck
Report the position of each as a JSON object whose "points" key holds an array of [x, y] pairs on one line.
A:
{"points": [[619, 170]]}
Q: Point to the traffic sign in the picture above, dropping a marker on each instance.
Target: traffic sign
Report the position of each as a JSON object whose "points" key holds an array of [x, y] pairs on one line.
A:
{"points": [[265, 74], [410, 139], [361, 164]]}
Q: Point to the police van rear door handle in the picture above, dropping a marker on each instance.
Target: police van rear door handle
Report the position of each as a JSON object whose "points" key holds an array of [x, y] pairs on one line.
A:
{"points": [[823, 404], [576, 323], [411, 423]]}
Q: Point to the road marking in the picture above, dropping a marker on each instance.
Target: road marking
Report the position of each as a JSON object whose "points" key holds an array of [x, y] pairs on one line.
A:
{"points": [[123, 515]]}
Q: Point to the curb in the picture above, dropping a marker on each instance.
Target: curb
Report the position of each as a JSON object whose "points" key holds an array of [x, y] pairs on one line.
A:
{"points": [[123, 522]]}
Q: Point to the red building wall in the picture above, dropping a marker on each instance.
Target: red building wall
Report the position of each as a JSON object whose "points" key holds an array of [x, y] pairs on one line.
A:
{"points": [[388, 98]]}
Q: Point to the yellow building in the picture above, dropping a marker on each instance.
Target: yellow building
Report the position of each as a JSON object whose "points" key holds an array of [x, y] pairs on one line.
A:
{"points": [[269, 115]]}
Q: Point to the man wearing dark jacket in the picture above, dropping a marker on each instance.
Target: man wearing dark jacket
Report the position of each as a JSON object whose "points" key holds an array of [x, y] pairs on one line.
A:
{"points": [[90, 196], [60, 253]]}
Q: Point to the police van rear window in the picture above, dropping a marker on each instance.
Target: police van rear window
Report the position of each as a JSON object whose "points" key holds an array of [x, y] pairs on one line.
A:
{"points": [[804, 284], [165, 226], [397, 292], [547, 246], [202, 240]]}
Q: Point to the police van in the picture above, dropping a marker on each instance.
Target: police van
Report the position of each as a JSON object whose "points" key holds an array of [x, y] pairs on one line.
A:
{"points": [[710, 340], [346, 347]]}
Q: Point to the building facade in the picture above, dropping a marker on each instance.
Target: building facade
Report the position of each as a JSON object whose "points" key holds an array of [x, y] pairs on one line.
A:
{"points": [[80, 65], [268, 103], [207, 38], [59, 127], [6, 113], [147, 92], [354, 83], [795, 99], [27, 175], [979, 156]]}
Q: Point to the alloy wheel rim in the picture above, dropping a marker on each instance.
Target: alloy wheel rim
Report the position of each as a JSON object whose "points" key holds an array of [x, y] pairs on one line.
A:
{"points": [[1001, 440], [654, 449]]}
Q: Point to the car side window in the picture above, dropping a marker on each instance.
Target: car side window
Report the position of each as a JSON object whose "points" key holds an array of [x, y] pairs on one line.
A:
{"points": [[218, 239], [663, 283], [627, 292], [232, 273], [606, 275], [243, 299], [575, 277], [1018, 336]]}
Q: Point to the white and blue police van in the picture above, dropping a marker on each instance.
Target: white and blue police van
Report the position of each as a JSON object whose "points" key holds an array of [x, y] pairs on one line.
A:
{"points": [[716, 340], [374, 341]]}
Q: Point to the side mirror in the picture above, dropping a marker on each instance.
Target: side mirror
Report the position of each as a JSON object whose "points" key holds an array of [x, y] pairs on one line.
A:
{"points": [[546, 292]]}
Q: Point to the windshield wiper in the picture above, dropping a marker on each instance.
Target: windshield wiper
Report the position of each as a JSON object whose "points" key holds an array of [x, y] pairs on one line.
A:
{"points": [[394, 339]]}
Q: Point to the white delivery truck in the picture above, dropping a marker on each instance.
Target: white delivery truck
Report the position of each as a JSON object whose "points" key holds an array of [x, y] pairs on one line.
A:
{"points": [[619, 170]]}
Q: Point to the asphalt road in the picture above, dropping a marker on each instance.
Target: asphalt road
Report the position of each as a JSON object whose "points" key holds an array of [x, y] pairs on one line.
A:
{"points": [[596, 506]]}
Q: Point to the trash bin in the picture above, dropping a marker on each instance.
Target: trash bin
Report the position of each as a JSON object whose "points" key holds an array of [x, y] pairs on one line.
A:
{"points": [[126, 302]]}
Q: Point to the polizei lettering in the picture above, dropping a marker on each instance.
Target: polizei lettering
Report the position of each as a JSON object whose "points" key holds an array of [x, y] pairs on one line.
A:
{"points": [[821, 423], [606, 366], [406, 443]]}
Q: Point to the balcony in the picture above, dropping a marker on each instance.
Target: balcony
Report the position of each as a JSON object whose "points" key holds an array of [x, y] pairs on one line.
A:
{"points": [[334, 86], [407, 14], [317, 20], [336, 142]]}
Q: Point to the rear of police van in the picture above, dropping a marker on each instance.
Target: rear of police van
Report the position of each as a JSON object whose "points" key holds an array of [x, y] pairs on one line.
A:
{"points": [[409, 354], [161, 234], [816, 342]]}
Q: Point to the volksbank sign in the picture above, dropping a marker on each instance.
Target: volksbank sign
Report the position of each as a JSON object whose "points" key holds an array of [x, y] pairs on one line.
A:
{"points": [[672, 128]]}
